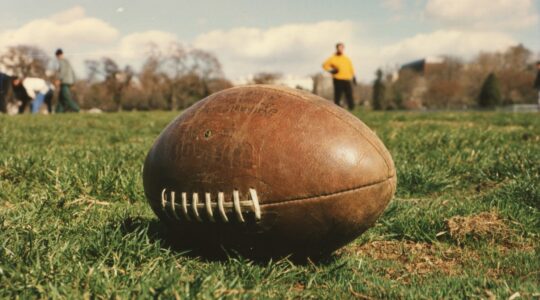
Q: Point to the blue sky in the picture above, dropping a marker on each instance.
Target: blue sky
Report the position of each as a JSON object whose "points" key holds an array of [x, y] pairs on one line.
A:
{"points": [[276, 36]]}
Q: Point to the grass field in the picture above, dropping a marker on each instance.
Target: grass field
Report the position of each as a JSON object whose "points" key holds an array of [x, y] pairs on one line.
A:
{"points": [[465, 222]]}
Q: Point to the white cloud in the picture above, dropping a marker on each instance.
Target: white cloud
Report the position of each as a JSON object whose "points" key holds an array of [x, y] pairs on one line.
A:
{"points": [[135, 46], [445, 42], [83, 37], [392, 4], [484, 14], [292, 48], [295, 50], [67, 29], [299, 49], [69, 15]]}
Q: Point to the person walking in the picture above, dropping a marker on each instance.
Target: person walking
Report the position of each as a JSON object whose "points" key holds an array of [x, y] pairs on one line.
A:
{"points": [[36, 90], [537, 82], [66, 78], [341, 68]]}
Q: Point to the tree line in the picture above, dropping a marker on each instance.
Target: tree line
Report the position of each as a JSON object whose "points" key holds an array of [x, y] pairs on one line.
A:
{"points": [[178, 76], [489, 79], [168, 80]]}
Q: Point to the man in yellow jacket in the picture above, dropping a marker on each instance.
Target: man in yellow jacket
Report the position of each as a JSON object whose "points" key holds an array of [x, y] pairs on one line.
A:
{"points": [[341, 68]]}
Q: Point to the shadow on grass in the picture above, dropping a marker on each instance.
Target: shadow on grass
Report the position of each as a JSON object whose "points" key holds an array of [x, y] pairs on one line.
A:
{"points": [[158, 232]]}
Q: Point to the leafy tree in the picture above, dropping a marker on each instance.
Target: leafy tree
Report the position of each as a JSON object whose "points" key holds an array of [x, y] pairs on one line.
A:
{"points": [[378, 91], [490, 94]]}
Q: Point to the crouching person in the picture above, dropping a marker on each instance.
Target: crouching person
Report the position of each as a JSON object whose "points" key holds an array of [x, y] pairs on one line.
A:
{"points": [[36, 90]]}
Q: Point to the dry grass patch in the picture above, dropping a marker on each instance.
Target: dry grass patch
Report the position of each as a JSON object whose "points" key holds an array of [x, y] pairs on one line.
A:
{"points": [[484, 226], [6, 205], [489, 186], [414, 258]]}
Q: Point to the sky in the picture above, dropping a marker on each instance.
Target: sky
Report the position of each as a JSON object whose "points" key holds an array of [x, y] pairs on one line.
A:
{"points": [[289, 37]]}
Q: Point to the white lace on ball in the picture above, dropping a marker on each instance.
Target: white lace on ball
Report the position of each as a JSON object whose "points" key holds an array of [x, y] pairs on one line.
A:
{"points": [[190, 209]]}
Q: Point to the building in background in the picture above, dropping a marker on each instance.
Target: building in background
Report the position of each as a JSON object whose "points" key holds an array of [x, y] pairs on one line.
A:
{"points": [[424, 66]]}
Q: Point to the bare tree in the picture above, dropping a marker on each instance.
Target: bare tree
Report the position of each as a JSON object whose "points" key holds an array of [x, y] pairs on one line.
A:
{"points": [[188, 75], [115, 79], [513, 69], [516, 76], [218, 84], [204, 64], [176, 66], [153, 82], [25, 60], [404, 87], [444, 87], [93, 69], [266, 78], [171, 78]]}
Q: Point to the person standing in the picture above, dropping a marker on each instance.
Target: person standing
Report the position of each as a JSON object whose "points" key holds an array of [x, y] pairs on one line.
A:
{"points": [[537, 82], [33, 89], [4, 85], [341, 68], [66, 78]]}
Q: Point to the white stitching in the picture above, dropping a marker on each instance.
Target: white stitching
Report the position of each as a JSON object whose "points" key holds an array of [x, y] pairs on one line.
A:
{"points": [[194, 204], [173, 205], [255, 200], [163, 199], [237, 208], [208, 203], [191, 210], [184, 207], [221, 199]]}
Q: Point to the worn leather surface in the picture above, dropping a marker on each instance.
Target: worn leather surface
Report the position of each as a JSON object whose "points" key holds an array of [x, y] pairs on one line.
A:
{"points": [[321, 175]]}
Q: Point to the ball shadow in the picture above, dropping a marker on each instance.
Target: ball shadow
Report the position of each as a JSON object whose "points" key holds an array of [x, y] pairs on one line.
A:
{"points": [[158, 232]]}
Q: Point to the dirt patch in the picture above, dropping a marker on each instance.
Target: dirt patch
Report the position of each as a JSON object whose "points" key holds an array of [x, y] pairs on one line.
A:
{"points": [[484, 226], [414, 258], [488, 186], [298, 287]]}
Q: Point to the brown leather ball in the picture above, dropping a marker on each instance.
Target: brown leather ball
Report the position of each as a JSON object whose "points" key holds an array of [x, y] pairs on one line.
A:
{"points": [[268, 171]]}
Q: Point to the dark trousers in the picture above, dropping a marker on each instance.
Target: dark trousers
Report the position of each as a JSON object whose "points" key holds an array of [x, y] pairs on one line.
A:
{"points": [[4, 84], [341, 86], [48, 100], [25, 101], [65, 102], [3, 104]]}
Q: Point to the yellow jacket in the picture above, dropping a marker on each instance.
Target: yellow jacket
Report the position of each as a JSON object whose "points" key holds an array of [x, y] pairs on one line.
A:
{"points": [[342, 64]]}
